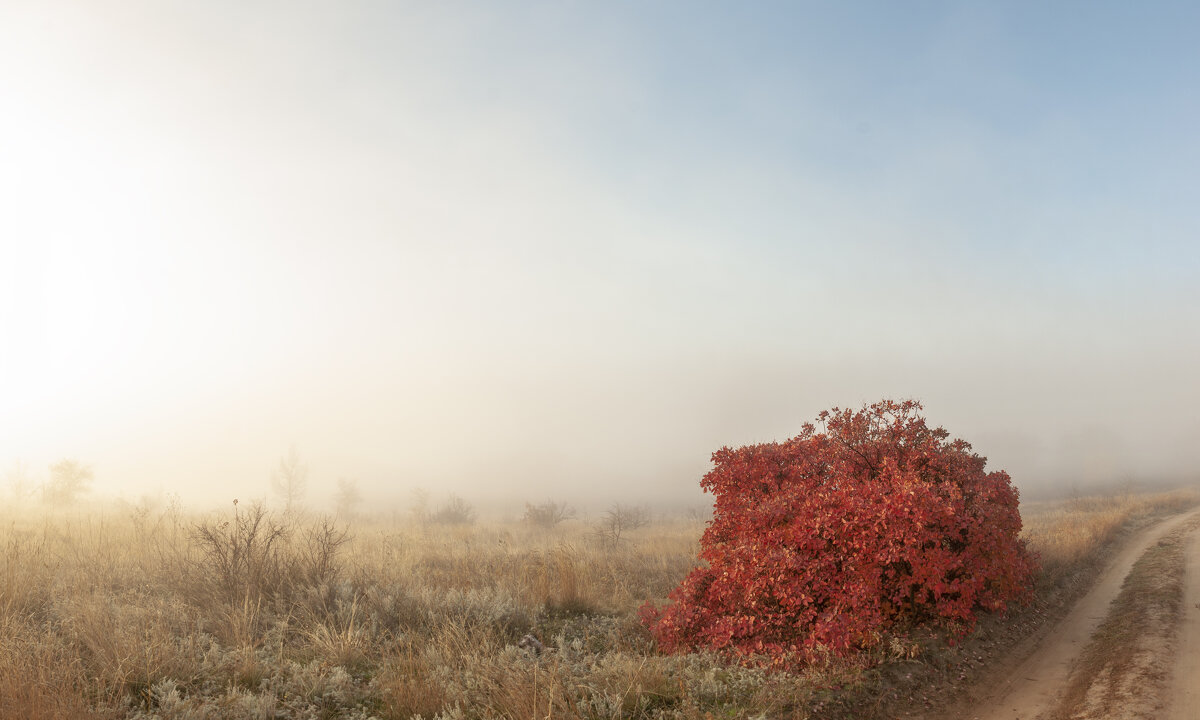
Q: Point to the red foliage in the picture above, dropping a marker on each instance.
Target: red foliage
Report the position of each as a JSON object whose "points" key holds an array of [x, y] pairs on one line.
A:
{"points": [[819, 543]]}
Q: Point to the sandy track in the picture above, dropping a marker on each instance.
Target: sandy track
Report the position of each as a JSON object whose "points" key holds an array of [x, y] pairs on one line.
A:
{"points": [[1185, 685], [1034, 686]]}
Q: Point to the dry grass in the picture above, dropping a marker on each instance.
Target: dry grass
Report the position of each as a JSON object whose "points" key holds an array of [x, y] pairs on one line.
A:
{"points": [[1067, 534], [252, 615]]}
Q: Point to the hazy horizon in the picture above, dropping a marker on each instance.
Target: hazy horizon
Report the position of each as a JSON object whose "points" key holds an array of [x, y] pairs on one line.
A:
{"points": [[539, 251]]}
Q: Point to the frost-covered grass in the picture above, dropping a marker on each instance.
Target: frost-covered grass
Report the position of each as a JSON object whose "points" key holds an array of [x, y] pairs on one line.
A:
{"points": [[161, 614]]}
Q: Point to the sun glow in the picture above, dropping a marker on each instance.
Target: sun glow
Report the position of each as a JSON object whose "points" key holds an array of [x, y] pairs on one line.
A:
{"points": [[378, 234], [77, 214]]}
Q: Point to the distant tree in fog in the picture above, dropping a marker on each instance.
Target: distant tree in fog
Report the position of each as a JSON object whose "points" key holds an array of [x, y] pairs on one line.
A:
{"points": [[348, 497], [619, 519], [68, 480], [289, 480], [455, 511], [419, 507], [20, 485], [547, 514]]}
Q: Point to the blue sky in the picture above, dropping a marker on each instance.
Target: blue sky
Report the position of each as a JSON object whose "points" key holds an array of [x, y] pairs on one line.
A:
{"points": [[572, 248]]}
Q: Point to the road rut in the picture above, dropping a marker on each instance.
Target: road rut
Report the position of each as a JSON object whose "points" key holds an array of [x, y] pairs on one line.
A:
{"points": [[1036, 684], [1185, 685]]}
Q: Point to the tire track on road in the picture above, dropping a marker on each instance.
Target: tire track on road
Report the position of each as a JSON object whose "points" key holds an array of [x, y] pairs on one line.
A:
{"points": [[1185, 684], [1036, 685]]}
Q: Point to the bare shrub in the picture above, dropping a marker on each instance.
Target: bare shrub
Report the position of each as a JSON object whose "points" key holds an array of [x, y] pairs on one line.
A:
{"points": [[254, 557], [547, 514], [318, 563], [455, 511], [620, 519], [240, 558]]}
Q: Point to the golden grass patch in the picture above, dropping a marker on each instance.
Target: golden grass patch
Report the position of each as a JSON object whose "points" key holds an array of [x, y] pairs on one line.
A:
{"points": [[233, 615]]}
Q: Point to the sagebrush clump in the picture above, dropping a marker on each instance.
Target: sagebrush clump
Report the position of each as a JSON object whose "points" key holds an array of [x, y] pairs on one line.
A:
{"points": [[821, 543]]}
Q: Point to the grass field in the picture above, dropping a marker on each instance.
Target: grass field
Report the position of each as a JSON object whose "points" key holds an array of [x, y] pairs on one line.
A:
{"points": [[249, 614]]}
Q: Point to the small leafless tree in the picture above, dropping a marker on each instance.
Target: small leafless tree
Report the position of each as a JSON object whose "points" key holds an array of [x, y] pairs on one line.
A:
{"points": [[620, 519], [68, 480], [547, 514], [289, 480], [348, 497]]}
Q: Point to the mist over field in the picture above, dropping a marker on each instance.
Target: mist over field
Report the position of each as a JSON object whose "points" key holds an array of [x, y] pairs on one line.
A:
{"points": [[528, 251]]}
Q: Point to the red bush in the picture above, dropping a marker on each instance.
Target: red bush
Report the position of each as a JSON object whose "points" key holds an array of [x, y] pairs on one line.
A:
{"points": [[819, 543]]}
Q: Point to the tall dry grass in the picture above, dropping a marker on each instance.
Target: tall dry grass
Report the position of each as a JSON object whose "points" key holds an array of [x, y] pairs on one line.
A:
{"points": [[250, 614], [1075, 531]]}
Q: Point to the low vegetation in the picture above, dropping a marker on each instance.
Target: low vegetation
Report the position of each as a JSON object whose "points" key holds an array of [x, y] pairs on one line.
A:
{"points": [[247, 613]]}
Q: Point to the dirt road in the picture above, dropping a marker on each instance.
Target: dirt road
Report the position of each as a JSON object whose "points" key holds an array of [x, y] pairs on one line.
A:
{"points": [[1185, 685], [1035, 687]]}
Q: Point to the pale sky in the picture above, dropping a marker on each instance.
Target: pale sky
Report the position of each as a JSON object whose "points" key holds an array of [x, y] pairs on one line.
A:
{"points": [[530, 250]]}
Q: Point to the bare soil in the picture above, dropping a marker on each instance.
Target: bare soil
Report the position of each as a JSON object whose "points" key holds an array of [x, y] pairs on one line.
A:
{"points": [[1184, 697], [1126, 649], [1013, 666]]}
